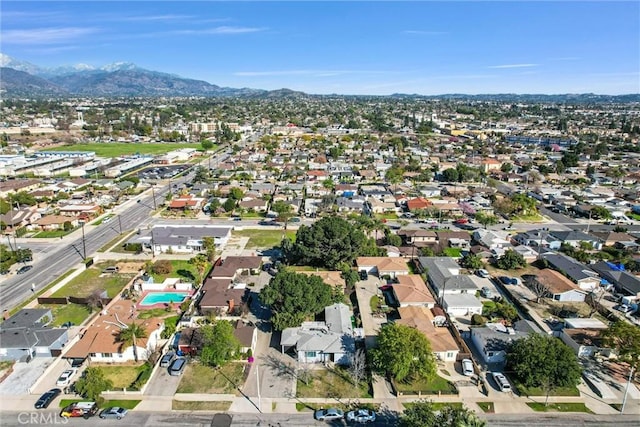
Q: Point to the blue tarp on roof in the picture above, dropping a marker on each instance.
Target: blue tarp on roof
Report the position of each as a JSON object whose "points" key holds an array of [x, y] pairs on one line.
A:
{"points": [[615, 267]]}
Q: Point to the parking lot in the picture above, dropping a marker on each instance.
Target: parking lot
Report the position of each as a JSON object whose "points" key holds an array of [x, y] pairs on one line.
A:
{"points": [[162, 172]]}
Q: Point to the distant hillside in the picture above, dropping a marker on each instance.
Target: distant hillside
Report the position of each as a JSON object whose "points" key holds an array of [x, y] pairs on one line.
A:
{"points": [[23, 79], [14, 83]]}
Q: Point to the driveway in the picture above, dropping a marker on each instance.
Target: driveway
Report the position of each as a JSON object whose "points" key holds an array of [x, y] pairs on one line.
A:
{"points": [[25, 375], [162, 384]]}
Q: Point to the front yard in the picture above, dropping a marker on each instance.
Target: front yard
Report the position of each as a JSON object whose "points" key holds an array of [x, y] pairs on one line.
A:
{"points": [[560, 407], [436, 385], [123, 376], [334, 383], [183, 269], [264, 239], [198, 378], [63, 313], [91, 280]]}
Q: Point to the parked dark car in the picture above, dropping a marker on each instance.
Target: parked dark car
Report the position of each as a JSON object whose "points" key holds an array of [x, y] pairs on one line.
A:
{"points": [[363, 275], [506, 280], [24, 269], [47, 398], [177, 366]]}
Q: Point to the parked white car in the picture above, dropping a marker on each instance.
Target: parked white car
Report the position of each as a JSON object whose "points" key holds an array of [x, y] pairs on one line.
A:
{"points": [[467, 367], [65, 378]]}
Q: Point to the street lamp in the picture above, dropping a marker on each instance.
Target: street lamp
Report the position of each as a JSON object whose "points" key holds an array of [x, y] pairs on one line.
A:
{"points": [[153, 193]]}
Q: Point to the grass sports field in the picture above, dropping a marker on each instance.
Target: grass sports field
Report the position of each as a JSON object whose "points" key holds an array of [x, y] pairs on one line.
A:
{"points": [[118, 149]]}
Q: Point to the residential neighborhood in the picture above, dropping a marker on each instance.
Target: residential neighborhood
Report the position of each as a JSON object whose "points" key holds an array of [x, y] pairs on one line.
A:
{"points": [[293, 265]]}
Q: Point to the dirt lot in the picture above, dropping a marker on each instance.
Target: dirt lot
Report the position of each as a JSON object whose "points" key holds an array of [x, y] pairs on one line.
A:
{"points": [[129, 267]]}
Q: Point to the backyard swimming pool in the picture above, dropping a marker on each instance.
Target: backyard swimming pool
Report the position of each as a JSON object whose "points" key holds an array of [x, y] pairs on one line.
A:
{"points": [[153, 298]]}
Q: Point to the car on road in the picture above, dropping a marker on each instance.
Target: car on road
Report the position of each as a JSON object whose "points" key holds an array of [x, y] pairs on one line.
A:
{"points": [[485, 292], [467, 367], [47, 398], [24, 269], [65, 378], [623, 308], [329, 414], [113, 412], [461, 221], [483, 273], [79, 409], [501, 381], [361, 416]]}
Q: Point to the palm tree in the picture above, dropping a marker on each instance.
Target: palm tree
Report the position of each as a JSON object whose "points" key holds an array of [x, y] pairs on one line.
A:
{"points": [[130, 334]]}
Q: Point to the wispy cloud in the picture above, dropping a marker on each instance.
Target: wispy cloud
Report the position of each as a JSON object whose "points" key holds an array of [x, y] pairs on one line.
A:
{"points": [[221, 30], [157, 18], [37, 36], [513, 66], [51, 50], [425, 33]]}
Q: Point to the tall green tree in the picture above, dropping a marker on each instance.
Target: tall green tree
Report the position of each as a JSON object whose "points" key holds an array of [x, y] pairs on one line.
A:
{"points": [[511, 260], [625, 339], [294, 298], [403, 352], [93, 383], [471, 261], [219, 343], [327, 243], [130, 335], [541, 360], [424, 414], [486, 220]]}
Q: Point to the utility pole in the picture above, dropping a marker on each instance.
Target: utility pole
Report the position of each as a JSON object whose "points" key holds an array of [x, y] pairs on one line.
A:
{"points": [[153, 192], [626, 390], [84, 246], [120, 224]]}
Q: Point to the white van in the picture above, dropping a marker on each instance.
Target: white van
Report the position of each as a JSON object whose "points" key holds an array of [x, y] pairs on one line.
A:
{"points": [[467, 367], [501, 381]]}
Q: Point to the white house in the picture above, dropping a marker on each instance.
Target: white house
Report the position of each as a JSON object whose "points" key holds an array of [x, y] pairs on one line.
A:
{"points": [[465, 304], [322, 342]]}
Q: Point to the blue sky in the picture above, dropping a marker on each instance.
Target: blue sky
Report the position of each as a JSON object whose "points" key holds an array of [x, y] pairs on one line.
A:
{"points": [[361, 47]]}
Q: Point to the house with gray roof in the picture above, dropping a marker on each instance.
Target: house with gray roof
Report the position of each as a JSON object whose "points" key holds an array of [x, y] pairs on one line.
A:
{"points": [[583, 276], [322, 342], [444, 276], [182, 239], [27, 334], [493, 339], [574, 238], [624, 281]]}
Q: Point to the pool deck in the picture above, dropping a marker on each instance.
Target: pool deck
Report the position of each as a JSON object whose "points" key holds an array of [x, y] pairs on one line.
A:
{"points": [[140, 306]]}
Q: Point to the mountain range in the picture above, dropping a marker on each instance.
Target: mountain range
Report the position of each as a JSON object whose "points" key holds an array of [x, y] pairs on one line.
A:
{"points": [[21, 79]]}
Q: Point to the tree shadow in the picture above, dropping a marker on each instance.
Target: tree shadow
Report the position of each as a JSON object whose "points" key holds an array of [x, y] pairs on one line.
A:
{"points": [[279, 367], [186, 274]]}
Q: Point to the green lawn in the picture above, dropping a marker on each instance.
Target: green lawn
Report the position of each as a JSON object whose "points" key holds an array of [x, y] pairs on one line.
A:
{"points": [[334, 383], [63, 313], [537, 391], [433, 386], [486, 407], [560, 407], [153, 312], [119, 149], [127, 404], [199, 378], [264, 239], [437, 406], [453, 252], [89, 281], [122, 376], [181, 405], [52, 233], [182, 269]]}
